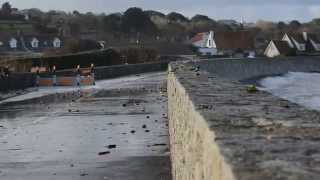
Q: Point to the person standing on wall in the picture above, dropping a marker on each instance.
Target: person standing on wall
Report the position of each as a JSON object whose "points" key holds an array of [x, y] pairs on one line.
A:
{"points": [[78, 78], [54, 76], [92, 71]]}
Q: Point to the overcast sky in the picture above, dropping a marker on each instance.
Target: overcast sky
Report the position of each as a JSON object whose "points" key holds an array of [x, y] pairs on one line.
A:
{"points": [[249, 10]]}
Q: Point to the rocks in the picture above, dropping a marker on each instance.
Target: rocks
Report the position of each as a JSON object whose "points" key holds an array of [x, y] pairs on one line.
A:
{"points": [[133, 131], [84, 174], [161, 144], [112, 146], [104, 153], [144, 126], [311, 152]]}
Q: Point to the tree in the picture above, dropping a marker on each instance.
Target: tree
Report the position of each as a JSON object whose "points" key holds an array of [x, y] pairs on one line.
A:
{"points": [[295, 24], [154, 13], [76, 13], [135, 21], [74, 28], [6, 8], [201, 23], [112, 23], [177, 17], [281, 25], [200, 18], [265, 25]]}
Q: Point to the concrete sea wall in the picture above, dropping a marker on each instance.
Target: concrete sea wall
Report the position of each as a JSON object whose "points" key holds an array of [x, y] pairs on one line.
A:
{"points": [[194, 154], [17, 82], [241, 69], [221, 131], [26, 80]]}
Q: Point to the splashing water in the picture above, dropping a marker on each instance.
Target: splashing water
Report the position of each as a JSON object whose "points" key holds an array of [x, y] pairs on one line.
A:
{"points": [[297, 87]]}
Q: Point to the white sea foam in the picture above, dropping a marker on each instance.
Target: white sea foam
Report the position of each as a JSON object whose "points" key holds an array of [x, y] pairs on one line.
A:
{"points": [[297, 87]]}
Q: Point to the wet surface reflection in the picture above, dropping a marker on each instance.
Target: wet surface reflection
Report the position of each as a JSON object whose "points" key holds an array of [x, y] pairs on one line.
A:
{"points": [[100, 133]]}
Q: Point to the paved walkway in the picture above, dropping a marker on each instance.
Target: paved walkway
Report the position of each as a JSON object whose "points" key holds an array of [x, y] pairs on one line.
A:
{"points": [[117, 131]]}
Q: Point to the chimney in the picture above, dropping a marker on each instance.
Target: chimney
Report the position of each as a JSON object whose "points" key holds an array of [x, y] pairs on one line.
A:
{"points": [[305, 36]]}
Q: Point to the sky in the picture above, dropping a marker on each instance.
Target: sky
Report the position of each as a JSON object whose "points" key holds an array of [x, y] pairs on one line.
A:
{"points": [[249, 10]]}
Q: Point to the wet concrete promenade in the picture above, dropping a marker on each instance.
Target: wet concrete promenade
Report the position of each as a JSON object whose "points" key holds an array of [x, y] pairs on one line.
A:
{"points": [[115, 131]]}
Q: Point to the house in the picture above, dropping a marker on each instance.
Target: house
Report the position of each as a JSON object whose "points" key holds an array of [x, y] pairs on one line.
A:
{"points": [[56, 42], [39, 43], [313, 44], [9, 42], [13, 43], [205, 43], [299, 44], [29, 43], [297, 41], [34, 42], [278, 48], [225, 43]]}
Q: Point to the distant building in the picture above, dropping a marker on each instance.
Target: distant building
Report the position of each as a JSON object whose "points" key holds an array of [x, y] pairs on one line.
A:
{"points": [[36, 43], [294, 44], [313, 43], [240, 43], [205, 43], [296, 41], [13, 43], [278, 48]]}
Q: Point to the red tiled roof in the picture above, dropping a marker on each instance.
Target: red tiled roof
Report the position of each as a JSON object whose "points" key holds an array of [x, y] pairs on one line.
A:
{"points": [[198, 37]]}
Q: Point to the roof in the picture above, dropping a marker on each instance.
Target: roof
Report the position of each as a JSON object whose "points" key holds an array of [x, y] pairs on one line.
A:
{"points": [[243, 40], [314, 38], [283, 47], [298, 37], [198, 37]]}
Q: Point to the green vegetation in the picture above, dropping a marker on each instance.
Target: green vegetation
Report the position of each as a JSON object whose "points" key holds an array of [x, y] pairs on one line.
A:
{"points": [[252, 89]]}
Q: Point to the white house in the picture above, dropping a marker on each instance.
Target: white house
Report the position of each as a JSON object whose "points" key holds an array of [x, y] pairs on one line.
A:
{"points": [[13, 43], [298, 41], [225, 43], [314, 42], [205, 42], [278, 48], [56, 43], [34, 43]]}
